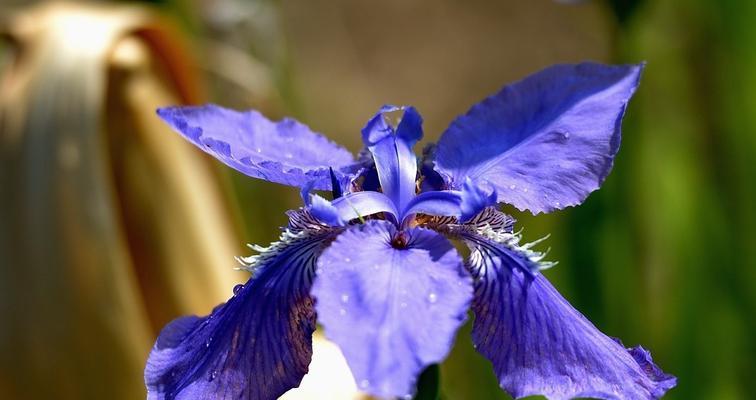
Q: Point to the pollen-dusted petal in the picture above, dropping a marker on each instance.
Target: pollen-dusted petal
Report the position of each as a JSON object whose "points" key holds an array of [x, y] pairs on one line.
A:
{"points": [[491, 218], [540, 345], [285, 151], [544, 142], [257, 345], [392, 309]]}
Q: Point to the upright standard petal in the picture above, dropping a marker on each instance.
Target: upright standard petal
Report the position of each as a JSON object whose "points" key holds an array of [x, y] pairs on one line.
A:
{"points": [[540, 345], [392, 301], [392, 152], [257, 345], [545, 142], [285, 152]]}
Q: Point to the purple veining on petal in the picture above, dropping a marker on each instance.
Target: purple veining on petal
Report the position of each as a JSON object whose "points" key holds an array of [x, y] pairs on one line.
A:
{"points": [[539, 344], [256, 346]]}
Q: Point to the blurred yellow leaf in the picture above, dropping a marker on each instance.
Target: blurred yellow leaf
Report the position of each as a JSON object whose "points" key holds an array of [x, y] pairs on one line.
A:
{"points": [[109, 227]]}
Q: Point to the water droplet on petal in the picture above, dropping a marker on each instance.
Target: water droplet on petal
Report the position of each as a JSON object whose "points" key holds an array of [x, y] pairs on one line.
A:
{"points": [[208, 342], [557, 204], [385, 387], [344, 298], [512, 187], [238, 289], [566, 135], [432, 297], [259, 150], [525, 190], [364, 384], [347, 259], [342, 311], [213, 375]]}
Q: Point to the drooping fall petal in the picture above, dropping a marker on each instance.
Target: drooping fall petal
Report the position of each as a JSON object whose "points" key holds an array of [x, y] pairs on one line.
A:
{"points": [[540, 345], [391, 303], [258, 344]]}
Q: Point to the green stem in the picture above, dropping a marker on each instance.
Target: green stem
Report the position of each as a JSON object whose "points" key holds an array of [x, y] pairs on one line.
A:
{"points": [[428, 385]]}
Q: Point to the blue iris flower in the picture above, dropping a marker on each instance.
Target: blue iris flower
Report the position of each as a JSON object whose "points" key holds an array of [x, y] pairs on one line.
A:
{"points": [[375, 265]]}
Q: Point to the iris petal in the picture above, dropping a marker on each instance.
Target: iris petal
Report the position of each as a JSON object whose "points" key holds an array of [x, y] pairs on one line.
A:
{"points": [[285, 152], [395, 161], [325, 211], [440, 202], [464, 204], [392, 302], [540, 345], [361, 204], [545, 142], [474, 200], [258, 344]]}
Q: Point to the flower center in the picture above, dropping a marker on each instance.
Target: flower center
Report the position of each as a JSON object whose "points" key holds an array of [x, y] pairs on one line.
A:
{"points": [[400, 240]]}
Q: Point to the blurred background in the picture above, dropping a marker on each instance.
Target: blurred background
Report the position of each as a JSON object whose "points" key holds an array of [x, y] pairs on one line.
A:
{"points": [[111, 225]]}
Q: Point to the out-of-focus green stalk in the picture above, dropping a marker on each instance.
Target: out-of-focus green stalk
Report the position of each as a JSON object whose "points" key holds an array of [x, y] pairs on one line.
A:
{"points": [[428, 383], [674, 263]]}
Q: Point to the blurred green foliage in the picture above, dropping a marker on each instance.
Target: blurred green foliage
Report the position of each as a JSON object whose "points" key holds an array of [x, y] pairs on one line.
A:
{"points": [[689, 181], [624, 9]]}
